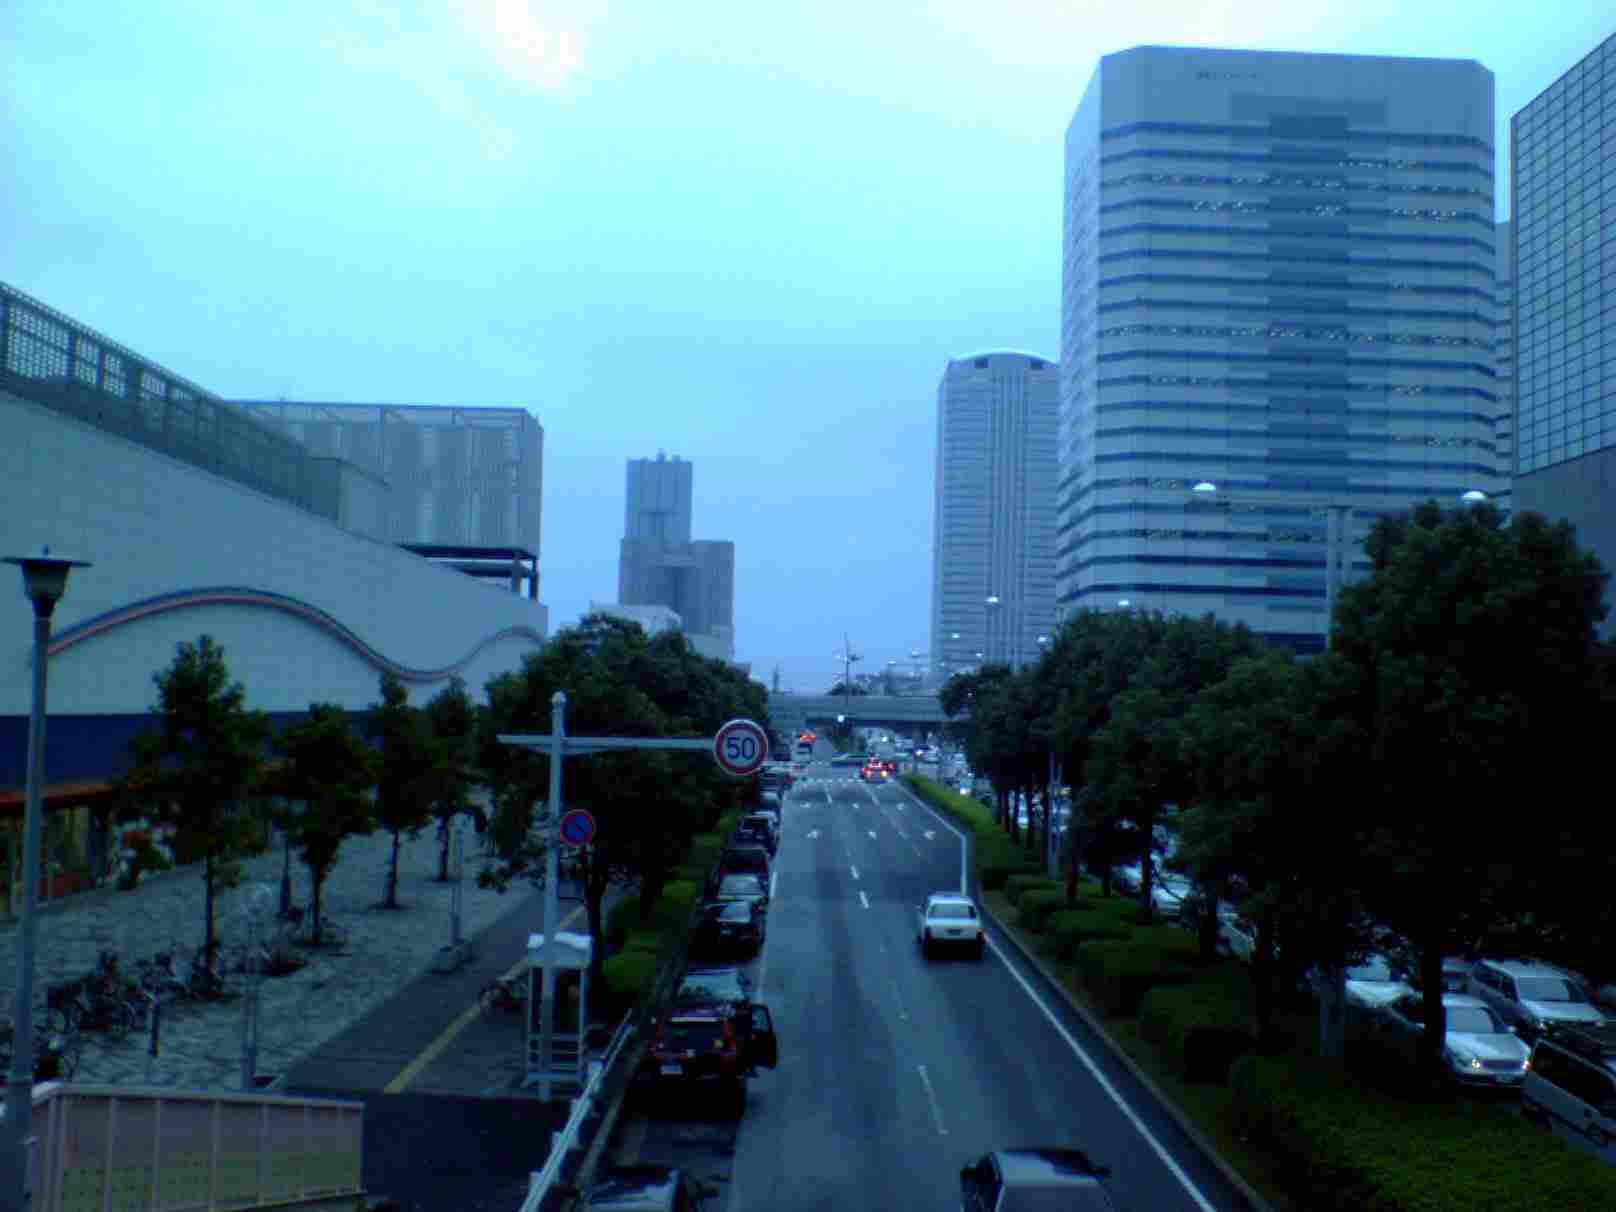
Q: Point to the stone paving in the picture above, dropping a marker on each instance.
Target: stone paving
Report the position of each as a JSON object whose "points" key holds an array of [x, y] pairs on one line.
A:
{"points": [[201, 1042]]}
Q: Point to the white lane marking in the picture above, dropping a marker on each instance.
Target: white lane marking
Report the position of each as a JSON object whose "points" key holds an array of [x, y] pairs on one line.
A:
{"points": [[965, 879], [930, 834], [1100, 1079], [871, 832], [863, 900], [774, 880], [813, 833], [897, 996], [854, 870], [931, 1097]]}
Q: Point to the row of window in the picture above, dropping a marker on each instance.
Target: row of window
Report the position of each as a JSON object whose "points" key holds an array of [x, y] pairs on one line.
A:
{"points": [[1287, 206], [1422, 315], [1277, 331], [1274, 410], [1290, 181], [1345, 361], [1270, 437], [1274, 256], [1334, 487], [1319, 158], [1276, 281], [1271, 232], [1333, 458], [1294, 383], [1314, 131]]}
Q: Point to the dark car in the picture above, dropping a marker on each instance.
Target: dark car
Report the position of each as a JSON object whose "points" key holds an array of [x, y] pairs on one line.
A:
{"points": [[645, 1189], [745, 860], [742, 887], [748, 833], [1035, 1180], [717, 1045], [728, 927], [712, 986], [764, 825]]}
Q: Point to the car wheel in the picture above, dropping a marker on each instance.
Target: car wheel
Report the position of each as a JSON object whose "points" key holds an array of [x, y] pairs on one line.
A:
{"points": [[980, 951]]}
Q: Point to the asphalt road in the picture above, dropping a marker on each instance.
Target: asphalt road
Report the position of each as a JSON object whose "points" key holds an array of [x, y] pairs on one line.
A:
{"points": [[896, 1071]]}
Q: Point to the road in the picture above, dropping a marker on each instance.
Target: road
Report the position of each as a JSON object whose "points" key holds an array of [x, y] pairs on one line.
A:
{"points": [[895, 1071]]}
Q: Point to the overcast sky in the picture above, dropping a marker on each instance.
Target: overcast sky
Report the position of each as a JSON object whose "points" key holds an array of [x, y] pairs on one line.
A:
{"points": [[747, 234]]}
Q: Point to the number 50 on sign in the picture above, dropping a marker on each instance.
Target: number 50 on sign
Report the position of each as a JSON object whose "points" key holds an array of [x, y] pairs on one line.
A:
{"points": [[740, 747]]}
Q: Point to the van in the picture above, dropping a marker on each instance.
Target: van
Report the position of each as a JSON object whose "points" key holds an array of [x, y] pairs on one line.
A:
{"points": [[1570, 1086]]}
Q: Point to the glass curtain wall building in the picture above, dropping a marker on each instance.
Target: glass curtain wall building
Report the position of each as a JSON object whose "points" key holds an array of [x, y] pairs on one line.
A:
{"points": [[993, 521], [1563, 207], [1278, 276]]}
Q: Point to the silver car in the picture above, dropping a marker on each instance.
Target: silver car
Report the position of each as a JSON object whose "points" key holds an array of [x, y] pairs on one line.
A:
{"points": [[1531, 995], [948, 919], [1479, 1049]]}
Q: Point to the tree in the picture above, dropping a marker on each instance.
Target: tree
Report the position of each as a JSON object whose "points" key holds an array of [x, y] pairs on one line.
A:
{"points": [[1472, 648], [195, 771], [845, 688], [407, 768], [327, 766], [452, 719]]}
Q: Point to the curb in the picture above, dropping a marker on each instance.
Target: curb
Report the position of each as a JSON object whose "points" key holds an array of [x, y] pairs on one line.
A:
{"points": [[1185, 1125], [607, 1128]]}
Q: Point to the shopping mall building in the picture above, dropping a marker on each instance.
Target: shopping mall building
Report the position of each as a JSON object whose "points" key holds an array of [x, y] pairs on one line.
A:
{"points": [[199, 517]]}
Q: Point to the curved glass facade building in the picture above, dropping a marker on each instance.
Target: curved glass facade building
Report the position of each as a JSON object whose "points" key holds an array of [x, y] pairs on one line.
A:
{"points": [[1278, 276]]}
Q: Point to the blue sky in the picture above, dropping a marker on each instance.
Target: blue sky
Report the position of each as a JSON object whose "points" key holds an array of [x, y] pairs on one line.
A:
{"points": [[750, 235]]}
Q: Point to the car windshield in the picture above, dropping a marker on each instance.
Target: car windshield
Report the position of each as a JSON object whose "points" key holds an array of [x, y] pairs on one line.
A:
{"points": [[961, 912], [1473, 1020], [736, 911], [723, 985], [740, 885], [1372, 970], [1547, 989]]}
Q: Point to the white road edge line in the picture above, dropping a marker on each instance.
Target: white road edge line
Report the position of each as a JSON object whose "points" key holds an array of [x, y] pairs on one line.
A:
{"points": [[1088, 1062], [854, 870], [931, 1097], [863, 900]]}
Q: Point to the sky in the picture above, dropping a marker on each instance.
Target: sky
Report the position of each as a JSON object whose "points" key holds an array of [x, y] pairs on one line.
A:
{"points": [[748, 235]]}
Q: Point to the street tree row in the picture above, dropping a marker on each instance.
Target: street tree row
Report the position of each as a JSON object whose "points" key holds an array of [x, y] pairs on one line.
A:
{"points": [[1414, 786]]}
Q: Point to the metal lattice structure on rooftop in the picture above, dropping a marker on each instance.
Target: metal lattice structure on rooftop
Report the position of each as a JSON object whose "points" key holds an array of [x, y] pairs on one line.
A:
{"points": [[54, 361]]}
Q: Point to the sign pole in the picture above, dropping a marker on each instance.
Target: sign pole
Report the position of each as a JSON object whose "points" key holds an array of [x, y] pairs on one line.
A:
{"points": [[552, 901]]}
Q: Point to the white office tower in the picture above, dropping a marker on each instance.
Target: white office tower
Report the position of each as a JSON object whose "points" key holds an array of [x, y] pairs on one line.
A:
{"points": [[993, 525], [1278, 278]]}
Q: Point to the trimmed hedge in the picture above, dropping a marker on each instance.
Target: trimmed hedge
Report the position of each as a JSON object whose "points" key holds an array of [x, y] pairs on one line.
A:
{"points": [[1180, 944], [620, 919], [1343, 1146], [690, 871], [1202, 1028], [1069, 929], [994, 848], [1024, 882], [645, 940], [1037, 904], [704, 850], [629, 976], [1120, 972], [994, 876]]}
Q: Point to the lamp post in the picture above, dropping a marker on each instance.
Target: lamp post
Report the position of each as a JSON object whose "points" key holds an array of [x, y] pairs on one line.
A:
{"points": [[847, 656], [44, 581]]}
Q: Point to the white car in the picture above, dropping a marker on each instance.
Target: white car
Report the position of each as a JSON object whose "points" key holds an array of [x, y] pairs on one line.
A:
{"points": [[948, 919], [1480, 1050], [1373, 984]]}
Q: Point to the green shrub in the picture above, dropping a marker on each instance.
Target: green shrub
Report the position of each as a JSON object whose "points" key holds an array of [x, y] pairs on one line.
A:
{"points": [[1201, 1028], [620, 919], [704, 850], [694, 874], [672, 913], [1016, 885], [995, 876], [1069, 929], [1037, 904], [629, 976], [645, 940], [1342, 1146], [1179, 944], [1119, 973]]}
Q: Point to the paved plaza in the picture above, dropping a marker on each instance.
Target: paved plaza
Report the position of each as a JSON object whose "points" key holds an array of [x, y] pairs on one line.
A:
{"points": [[201, 1042]]}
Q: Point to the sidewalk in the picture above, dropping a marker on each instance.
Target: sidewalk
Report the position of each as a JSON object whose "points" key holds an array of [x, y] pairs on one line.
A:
{"points": [[201, 1043]]}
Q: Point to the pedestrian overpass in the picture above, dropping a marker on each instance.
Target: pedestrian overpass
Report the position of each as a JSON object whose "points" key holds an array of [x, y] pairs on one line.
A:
{"points": [[904, 712]]}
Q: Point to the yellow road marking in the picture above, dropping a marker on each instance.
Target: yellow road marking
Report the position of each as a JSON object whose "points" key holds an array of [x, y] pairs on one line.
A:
{"points": [[432, 1051]]}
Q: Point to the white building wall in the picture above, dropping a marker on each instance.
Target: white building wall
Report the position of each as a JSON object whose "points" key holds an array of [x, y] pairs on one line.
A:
{"points": [[154, 526]]}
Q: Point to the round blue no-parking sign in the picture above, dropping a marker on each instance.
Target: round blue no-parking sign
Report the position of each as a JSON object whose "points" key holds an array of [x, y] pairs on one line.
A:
{"points": [[577, 827]]}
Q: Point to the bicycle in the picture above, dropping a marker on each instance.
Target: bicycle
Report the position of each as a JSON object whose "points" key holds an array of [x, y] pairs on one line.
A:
{"points": [[503, 994], [56, 1053]]}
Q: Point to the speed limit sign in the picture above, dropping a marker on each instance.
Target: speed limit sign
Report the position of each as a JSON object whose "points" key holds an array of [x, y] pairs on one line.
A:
{"points": [[741, 747]]}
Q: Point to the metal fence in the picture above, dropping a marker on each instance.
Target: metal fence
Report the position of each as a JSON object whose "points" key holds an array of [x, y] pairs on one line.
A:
{"points": [[157, 1150], [563, 1142], [52, 360]]}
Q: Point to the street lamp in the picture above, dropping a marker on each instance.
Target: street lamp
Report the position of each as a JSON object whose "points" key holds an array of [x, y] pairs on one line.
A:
{"points": [[44, 581], [847, 656]]}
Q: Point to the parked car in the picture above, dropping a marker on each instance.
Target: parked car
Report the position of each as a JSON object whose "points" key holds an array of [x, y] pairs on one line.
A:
{"points": [[1237, 934], [770, 817], [743, 887], [720, 1045], [749, 833], [744, 860], [763, 826], [729, 927], [707, 986], [1570, 1086], [1010, 1180], [947, 919], [1375, 983], [1480, 1048], [644, 1188], [1530, 994]]}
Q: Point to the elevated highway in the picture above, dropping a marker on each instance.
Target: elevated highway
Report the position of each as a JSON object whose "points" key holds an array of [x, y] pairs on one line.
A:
{"points": [[793, 711]]}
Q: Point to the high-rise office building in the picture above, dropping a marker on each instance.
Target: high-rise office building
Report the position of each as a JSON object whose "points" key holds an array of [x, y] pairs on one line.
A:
{"points": [[1504, 348], [1563, 206], [1277, 278], [660, 565], [993, 519]]}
